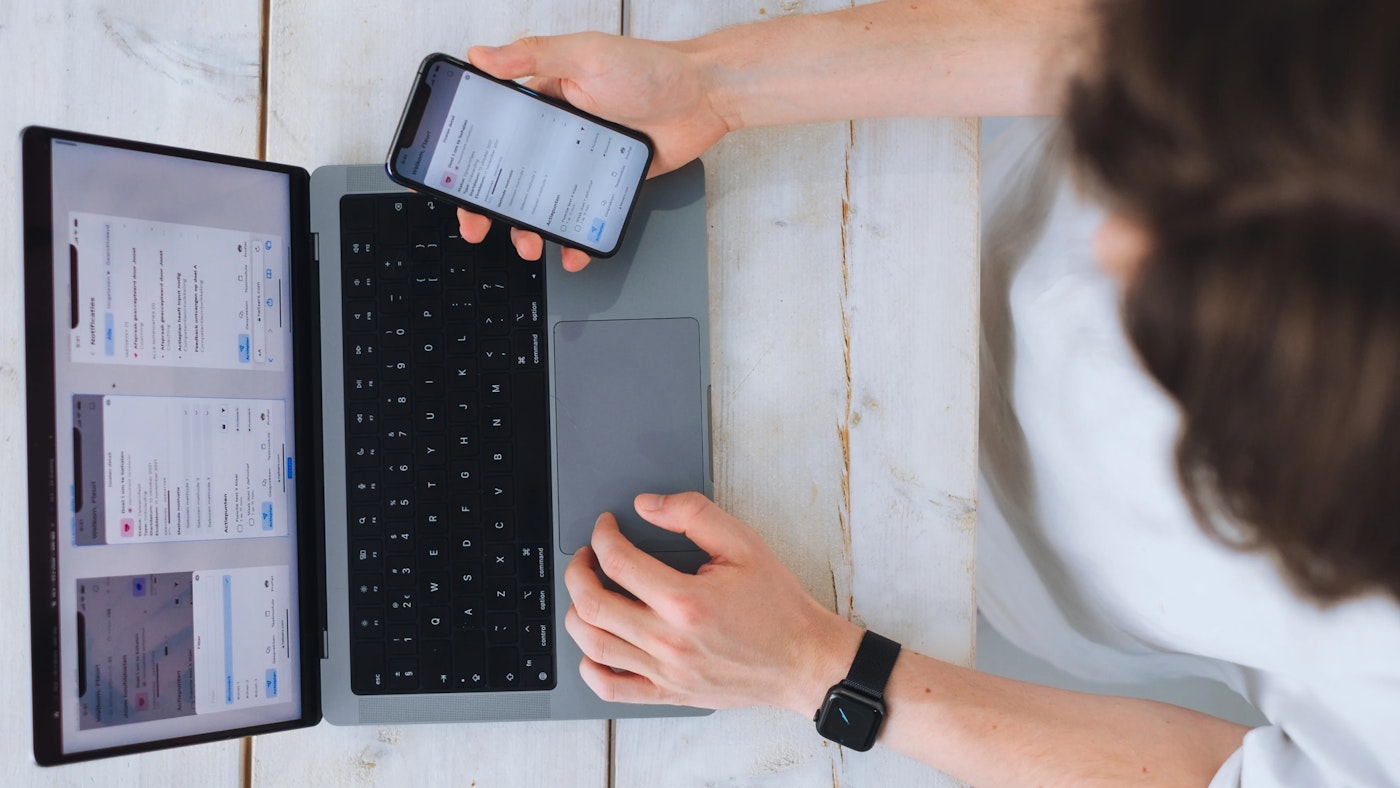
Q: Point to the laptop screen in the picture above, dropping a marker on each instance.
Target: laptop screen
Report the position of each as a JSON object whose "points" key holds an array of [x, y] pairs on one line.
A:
{"points": [[164, 493]]}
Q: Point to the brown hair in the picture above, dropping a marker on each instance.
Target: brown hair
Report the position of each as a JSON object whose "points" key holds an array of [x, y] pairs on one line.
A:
{"points": [[1259, 146]]}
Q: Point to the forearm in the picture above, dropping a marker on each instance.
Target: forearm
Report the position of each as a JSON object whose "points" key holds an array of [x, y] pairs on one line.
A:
{"points": [[930, 58], [990, 730], [699, 640]]}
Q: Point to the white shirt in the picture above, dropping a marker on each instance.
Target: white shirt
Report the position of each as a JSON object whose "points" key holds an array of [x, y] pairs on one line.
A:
{"points": [[1088, 555]]}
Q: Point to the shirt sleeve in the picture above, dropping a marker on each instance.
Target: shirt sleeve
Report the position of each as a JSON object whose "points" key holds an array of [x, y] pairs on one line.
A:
{"points": [[1322, 743]]}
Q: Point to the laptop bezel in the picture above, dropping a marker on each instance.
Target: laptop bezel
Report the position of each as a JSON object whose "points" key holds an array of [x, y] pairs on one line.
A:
{"points": [[41, 422]]}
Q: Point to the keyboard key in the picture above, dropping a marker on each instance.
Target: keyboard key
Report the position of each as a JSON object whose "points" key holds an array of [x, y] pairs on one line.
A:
{"points": [[536, 636], [432, 557], [367, 589], [469, 660], [358, 248], [360, 280], [526, 312], [500, 526], [501, 593], [403, 639], [366, 624], [527, 277], [458, 271], [537, 671], [367, 668], [535, 601], [492, 285], [527, 349], [356, 213], [500, 560], [437, 666], [436, 623], [403, 674], [534, 562], [494, 319], [391, 222], [366, 555], [467, 582], [505, 667], [469, 614], [501, 628]]}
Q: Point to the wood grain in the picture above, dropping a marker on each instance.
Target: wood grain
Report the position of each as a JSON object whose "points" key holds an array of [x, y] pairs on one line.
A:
{"points": [[911, 306], [843, 265], [152, 71]]}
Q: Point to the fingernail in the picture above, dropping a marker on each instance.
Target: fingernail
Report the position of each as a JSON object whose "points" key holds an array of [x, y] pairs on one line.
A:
{"points": [[649, 502], [599, 521]]}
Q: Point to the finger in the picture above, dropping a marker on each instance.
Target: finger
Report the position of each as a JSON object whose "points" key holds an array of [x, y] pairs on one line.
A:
{"points": [[711, 528], [473, 226], [605, 648], [602, 608], [573, 259], [527, 244], [614, 687], [630, 567]]}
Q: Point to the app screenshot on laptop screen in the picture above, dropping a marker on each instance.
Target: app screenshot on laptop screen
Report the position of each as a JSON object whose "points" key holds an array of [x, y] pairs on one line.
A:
{"points": [[177, 595]]}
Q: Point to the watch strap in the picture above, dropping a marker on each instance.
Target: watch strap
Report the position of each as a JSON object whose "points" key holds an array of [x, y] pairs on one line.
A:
{"points": [[871, 668]]}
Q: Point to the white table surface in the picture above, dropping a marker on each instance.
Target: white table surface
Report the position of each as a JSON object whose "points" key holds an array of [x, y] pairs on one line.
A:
{"points": [[844, 284]]}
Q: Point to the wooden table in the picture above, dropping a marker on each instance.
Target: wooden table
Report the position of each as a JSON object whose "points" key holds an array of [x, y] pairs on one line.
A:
{"points": [[844, 281]]}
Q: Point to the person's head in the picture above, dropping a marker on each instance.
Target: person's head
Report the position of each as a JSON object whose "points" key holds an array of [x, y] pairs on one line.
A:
{"points": [[1250, 153]]}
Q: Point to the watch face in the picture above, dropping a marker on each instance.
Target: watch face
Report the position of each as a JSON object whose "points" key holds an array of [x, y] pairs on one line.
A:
{"points": [[850, 721]]}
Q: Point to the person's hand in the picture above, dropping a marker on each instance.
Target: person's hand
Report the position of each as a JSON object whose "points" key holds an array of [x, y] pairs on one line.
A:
{"points": [[650, 86], [742, 631]]}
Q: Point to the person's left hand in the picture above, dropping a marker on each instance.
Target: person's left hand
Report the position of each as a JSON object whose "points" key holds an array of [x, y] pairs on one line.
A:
{"points": [[741, 631]]}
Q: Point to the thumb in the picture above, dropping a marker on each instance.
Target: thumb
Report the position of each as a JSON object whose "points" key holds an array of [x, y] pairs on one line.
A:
{"points": [[711, 528], [533, 56]]}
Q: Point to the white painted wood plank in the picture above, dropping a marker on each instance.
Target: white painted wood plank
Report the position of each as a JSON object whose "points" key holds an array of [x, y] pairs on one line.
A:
{"points": [[780, 387], [794, 279], [339, 74], [426, 756], [912, 303], [152, 71]]}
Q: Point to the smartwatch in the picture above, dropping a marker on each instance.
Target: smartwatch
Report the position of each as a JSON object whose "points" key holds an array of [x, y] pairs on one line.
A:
{"points": [[855, 706]]}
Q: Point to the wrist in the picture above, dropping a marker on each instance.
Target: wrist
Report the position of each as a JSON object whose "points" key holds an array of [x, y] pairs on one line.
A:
{"points": [[720, 76], [825, 661]]}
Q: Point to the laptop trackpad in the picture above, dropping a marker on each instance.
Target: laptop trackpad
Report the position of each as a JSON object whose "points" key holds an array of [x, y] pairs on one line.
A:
{"points": [[629, 413]]}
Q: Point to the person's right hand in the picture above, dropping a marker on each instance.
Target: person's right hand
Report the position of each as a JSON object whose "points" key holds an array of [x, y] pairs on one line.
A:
{"points": [[650, 86], [741, 631]]}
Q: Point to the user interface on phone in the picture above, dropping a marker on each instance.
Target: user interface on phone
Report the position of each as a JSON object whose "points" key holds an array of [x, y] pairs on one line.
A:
{"points": [[175, 551], [524, 159]]}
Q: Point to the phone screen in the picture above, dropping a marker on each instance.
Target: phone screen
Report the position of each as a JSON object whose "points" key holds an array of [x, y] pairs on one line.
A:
{"points": [[496, 147]]}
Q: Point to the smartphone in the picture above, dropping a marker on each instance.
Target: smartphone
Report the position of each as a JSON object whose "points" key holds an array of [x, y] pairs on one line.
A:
{"points": [[500, 149]]}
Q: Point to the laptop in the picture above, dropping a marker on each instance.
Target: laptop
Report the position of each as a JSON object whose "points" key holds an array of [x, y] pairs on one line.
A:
{"points": [[297, 450]]}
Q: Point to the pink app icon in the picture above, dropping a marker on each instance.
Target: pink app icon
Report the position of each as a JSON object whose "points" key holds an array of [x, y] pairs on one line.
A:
{"points": [[128, 527], [448, 179]]}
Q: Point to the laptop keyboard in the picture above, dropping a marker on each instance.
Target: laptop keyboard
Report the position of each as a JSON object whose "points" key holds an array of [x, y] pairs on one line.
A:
{"points": [[447, 454]]}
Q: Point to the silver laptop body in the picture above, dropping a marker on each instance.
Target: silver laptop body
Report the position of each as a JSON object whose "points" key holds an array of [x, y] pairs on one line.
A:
{"points": [[629, 385]]}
